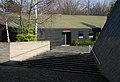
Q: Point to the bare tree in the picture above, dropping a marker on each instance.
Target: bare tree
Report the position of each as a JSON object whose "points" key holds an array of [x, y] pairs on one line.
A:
{"points": [[88, 6], [70, 7], [99, 8], [21, 3], [6, 20], [36, 16]]}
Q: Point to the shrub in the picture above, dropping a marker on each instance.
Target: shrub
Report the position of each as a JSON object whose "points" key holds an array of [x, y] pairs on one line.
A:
{"points": [[27, 37], [26, 34], [86, 42], [76, 42], [20, 37], [30, 37]]}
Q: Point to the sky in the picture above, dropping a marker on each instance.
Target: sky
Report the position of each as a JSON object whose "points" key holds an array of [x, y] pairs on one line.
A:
{"points": [[94, 0], [91, 0], [100, 0]]}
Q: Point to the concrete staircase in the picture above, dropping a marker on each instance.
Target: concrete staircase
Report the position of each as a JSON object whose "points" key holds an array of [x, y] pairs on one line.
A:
{"points": [[73, 63], [81, 65]]}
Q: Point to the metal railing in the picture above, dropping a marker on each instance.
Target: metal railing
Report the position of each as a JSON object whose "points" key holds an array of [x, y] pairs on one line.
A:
{"points": [[91, 50]]}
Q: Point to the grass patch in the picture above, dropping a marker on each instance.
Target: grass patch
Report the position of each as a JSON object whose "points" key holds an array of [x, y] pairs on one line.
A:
{"points": [[62, 21], [75, 21]]}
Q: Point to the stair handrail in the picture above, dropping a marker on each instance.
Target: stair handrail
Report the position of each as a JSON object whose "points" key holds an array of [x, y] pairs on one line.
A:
{"points": [[91, 50]]}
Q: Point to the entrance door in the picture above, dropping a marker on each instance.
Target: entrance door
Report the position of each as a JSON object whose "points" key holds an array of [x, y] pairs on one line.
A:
{"points": [[66, 38]]}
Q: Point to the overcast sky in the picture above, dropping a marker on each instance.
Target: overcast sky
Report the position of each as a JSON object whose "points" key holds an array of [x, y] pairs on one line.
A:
{"points": [[100, 0], [94, 0]]}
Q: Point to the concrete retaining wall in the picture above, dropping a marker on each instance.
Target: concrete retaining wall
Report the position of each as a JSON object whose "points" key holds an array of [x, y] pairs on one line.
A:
{"points": [[18, 51], [4, 51]]}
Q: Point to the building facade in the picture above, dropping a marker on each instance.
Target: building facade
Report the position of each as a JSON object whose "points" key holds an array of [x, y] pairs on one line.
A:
{"points": [[57, 36], [66, 36], [107, 47]]}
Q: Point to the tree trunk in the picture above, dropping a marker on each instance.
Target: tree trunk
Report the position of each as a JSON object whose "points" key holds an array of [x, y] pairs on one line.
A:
{"points": [[36, 16], [21, 15], [6, 23]]}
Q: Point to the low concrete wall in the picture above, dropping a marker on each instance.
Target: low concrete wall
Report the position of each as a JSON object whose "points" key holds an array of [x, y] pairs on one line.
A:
{"points": [[19, 51], [4, 52]]}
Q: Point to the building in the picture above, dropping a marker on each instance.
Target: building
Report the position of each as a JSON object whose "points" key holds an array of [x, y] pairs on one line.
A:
{"points": [[107, 48], [64, 29], [66, 36]]}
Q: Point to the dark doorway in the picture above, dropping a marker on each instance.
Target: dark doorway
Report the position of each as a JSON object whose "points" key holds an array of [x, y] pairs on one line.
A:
{"points": [[66, 38]]}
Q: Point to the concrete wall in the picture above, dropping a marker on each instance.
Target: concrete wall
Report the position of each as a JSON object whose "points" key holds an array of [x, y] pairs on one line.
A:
{"points": [[107, 48], [4, 52], [23, 50], [18, 51]]}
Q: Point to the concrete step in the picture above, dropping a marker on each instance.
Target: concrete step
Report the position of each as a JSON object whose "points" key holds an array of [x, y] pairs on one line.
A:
{"points": [[62, 61], [71, 63], [60, 65], [63, 69]]}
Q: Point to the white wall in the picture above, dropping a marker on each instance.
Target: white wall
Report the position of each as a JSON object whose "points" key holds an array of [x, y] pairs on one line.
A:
{"points": [[19, 51], [23, 50], [4, 52]]}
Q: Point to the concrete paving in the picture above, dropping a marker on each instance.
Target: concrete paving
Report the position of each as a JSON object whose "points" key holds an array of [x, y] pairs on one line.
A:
{"points": [[73, 49], [61, 64], [60, 51], [20, 74]]}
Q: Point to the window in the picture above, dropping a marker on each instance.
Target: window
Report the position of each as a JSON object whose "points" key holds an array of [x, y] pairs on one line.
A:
{"points": [[91, 35], [80, 35]]}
